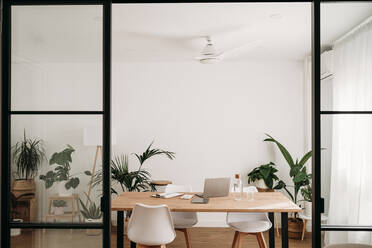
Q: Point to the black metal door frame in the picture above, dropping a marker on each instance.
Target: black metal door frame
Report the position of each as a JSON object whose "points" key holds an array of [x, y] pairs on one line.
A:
{"points": [[6, 113]]}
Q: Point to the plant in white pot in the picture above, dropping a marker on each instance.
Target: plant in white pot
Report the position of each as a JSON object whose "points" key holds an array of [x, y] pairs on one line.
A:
{"points": [[61, 173], [92, 214], [265, 177], [28, 154], [59, 207]]}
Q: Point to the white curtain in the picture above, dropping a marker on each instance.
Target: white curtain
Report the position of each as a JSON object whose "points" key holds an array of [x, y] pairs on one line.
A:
{"points": [[351, 172]]}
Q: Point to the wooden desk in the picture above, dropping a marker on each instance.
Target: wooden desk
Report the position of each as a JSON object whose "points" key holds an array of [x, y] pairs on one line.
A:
{"points": [[270, 202]]}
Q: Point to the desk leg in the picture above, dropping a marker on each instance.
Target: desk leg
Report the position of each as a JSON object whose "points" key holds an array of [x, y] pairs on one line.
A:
{"points": [[272, 231], [120, 230], [285, 230]]}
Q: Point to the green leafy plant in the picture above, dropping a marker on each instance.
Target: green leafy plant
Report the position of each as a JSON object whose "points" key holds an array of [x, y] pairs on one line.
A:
{"points": [[28, 155], [138, 180], [59, 203], [306, 193], [91, 210], [150, 152], [62, 171], [298, 173], [265, 172]]}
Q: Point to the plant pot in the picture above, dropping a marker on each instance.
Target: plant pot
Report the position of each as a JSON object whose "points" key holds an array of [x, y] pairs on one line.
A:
{"points": [[58, 210], [93, 232], [260, 184], [62, 191], [295, 226], [308, 208], [23, 186], [16, 231]]}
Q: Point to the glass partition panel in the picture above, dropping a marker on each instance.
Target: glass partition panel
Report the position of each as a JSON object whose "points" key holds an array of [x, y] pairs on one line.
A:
{"points": [[56, 58], [53, 159], [346, 60], [346, 168]]}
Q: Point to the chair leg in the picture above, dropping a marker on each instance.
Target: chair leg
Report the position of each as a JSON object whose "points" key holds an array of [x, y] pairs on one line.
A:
{"points": [[261, 240], [187, 237], [303, 230], [236, 235], [240, 240], [277, 224]]}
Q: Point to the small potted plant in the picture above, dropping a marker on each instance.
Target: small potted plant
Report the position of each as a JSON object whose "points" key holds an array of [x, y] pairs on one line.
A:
{"points": [[300, 179], [264, 177], [28, 154], [59, 207], [61, 173], [92, 214]]}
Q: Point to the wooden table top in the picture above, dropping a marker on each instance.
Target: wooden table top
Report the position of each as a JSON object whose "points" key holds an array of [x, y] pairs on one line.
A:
{"points": [[263, 202]]}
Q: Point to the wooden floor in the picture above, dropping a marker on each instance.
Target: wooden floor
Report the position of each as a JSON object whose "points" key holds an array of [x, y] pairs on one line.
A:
{"points": [[201, 237]]}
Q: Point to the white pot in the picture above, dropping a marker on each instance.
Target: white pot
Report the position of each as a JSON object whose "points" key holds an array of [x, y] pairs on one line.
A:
{"points": [[58, 210], [261, 184], [62, 191], [16, 231], [93, 232], [308, 208]]}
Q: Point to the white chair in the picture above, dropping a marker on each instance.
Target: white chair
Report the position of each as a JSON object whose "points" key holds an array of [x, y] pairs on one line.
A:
{"points": [[151, 226], [182, 220], [248, 223]]}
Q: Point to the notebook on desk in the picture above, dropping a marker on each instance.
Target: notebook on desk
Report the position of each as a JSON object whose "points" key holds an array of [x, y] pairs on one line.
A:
{"points": [[167, 195]]}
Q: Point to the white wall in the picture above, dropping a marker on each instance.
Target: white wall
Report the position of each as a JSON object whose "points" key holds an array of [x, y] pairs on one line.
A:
{"points": [[213, 116]]}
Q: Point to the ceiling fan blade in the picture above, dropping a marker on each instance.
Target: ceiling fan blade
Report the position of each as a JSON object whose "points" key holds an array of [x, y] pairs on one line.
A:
{"points": [[247, 47]]}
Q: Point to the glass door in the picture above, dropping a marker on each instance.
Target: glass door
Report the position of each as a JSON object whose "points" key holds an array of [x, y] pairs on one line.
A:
{"points": [[56, 123], [343, 123]]}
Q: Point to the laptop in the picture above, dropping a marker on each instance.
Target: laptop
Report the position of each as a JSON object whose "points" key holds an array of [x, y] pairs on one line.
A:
{"points": [[216, 187]]}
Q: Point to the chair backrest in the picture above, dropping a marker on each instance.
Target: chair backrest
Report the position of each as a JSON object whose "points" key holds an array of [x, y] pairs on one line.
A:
{"points": [[232, 217], [174, 188], [151, 225]]}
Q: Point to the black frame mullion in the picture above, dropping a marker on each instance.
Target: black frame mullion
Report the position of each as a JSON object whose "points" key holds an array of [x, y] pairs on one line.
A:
{"points": [[316, 128], [7, 113], [5, 125]]}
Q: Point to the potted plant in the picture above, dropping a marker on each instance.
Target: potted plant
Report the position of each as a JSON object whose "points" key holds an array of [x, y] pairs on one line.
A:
{"points": [[137, 180], [61, 173], [28, 155], [264, 177], [59, 207], [92, 214], [300, 178]]}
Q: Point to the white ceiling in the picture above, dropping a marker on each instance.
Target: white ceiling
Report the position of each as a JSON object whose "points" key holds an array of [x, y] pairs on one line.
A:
{"points": [[174, 32]]}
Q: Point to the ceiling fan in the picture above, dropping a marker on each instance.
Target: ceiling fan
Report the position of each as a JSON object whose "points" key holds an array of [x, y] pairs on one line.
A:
{"points": [[210, 55]]}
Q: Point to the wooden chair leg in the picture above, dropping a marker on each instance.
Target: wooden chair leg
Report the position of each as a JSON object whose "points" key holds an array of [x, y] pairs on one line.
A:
{"points": [[303, 230], [236, 235], [277, 224], [261, 240], [240, 240], [187, 237]]}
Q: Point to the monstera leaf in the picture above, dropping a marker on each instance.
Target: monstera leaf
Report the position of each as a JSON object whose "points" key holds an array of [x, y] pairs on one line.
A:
{"points": [[62, 158]]}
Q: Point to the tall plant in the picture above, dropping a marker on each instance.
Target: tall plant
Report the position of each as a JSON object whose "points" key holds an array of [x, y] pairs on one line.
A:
{"points": [[28, 155], [297, 172]]}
